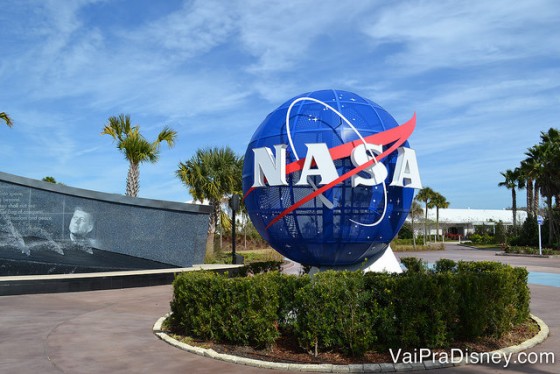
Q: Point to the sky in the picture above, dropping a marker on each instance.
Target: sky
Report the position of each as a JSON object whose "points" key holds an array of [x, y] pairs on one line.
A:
{"points": [[483, 78]]}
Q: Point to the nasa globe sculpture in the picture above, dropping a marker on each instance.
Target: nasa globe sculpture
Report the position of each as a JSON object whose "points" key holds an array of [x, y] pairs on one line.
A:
{"points": [[328, 180]]}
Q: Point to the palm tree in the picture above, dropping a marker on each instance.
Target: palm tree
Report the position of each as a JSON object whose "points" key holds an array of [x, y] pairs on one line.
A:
{"points": [[135, 147], [6, 118], [540, 173], [425, 195], [212, 174], [521, 179], [532, 169], [415, 211], [548, 152], [525, 170], [511, 179], [50, 180], [439, 201]]}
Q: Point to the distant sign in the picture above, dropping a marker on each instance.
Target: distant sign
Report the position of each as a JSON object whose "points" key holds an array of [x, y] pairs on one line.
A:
{"points": [[540, 220]]}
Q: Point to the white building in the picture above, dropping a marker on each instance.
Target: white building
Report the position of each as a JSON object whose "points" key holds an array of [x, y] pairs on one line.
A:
{"points": [[463, 221]]}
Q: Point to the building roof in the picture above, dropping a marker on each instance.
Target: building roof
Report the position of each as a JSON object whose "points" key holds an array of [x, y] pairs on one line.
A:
{"points": [[476, 216]]}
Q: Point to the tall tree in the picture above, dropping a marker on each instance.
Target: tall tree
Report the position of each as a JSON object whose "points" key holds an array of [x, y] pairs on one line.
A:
{"points": [[6, 118], [540, 173], [425, 195], [531, 168], [525, 174], [548, 151], [135, 147], [440, 202], [50, 180], [212, 174], [415, 211], [511, 179], [521, 179]]}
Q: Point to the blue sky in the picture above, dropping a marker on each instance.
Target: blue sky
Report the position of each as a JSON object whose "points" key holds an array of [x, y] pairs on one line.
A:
{"points": [[482, 76]]}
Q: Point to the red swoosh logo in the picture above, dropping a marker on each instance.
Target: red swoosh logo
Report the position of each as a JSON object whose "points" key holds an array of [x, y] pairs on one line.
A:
{"points": [[397, 136]]}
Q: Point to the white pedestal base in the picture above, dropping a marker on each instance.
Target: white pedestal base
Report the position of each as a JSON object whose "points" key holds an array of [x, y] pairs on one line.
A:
{"points": [[384, 262], [387, 263]]}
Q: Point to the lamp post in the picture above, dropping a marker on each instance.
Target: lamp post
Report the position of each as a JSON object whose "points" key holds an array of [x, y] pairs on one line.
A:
{"points": [[234, 203]]}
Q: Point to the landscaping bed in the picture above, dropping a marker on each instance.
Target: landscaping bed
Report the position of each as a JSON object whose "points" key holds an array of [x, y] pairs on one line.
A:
{"points": [[286, 349], [354, 317]]}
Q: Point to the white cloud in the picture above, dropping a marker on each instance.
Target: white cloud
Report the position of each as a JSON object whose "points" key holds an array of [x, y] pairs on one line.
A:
{"points": [[193, 30], [279, 33], [434, 34]]}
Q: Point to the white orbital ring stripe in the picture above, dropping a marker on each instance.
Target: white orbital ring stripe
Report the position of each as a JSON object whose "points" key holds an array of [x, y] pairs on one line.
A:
{"points": [[321, 196]]}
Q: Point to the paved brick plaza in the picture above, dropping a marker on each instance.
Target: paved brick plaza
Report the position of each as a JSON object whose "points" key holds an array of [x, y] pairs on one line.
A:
{"points": [[111, 331]]}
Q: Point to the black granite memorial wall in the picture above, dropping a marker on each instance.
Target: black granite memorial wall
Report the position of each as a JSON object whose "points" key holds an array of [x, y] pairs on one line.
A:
{"points": [[50, 228]]}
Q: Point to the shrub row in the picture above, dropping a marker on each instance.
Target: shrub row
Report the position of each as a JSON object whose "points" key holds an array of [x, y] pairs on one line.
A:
{"points": [[210, 306], [352, 312], [529, 250]]}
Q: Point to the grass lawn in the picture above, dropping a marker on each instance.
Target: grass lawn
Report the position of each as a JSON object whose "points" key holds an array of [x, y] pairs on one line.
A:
{"points": [[250, 256], [399, 247]]}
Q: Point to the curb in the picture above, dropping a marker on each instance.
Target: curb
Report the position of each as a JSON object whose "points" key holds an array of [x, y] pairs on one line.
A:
{"points": [[526, 255], [355, 368]]}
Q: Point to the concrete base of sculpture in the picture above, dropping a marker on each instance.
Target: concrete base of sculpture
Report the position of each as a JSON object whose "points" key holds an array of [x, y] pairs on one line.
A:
{"points": [[384, 262]]}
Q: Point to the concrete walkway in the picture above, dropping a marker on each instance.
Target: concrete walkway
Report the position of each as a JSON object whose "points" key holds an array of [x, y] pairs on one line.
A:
{"points": [[111, 331]]}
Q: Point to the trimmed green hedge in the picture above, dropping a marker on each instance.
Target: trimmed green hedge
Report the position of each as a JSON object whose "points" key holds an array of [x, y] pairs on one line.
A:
{"points": [[336, 311], [352, 312], [243, 311]]}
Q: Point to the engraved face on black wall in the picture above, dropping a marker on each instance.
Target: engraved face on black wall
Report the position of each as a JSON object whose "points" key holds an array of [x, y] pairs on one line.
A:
{"points": [[48, 228], [81, 224]]}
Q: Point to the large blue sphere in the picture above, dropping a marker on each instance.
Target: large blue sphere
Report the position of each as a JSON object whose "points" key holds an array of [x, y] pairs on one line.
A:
{"points": [[355, 222]]}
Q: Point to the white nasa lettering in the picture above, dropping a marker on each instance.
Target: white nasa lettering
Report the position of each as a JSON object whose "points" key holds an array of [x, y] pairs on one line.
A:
{"points": [[266, 165], [406, 170], [325, 166], [377, 171]]}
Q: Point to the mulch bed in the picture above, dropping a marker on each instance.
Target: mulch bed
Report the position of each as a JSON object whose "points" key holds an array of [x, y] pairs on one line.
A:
{"points": [[286, 349]]}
